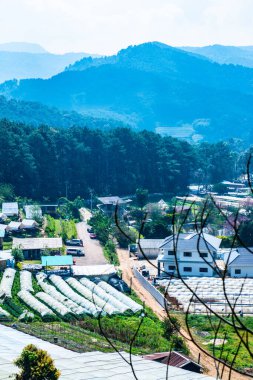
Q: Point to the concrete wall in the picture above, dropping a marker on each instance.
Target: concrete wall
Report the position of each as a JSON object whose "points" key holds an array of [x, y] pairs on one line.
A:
{"points": [[149, 287]]}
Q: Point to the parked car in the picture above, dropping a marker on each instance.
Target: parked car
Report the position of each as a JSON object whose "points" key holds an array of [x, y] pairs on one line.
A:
{"points": [[75, 252], [77, 242], [119, 284], [93, 235], [90, 230]]}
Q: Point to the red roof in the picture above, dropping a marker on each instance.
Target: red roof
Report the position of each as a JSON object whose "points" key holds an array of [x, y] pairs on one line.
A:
{"points": [[175, 359]]}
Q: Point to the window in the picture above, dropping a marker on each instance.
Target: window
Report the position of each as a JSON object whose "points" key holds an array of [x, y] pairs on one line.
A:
{"points": [[203, 254], [172, 267], [187, 269], [171, 253], [238, 271], [203, 270], [187, 254]]}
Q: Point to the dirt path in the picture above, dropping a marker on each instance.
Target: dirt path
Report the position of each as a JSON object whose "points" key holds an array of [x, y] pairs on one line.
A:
{"points": [[126, 265]]}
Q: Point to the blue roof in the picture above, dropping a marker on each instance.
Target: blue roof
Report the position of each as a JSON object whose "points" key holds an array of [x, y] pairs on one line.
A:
{"points": [[52, 261]]}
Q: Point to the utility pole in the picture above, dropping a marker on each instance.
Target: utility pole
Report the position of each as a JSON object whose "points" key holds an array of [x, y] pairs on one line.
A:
{"points": [[91, 199]]}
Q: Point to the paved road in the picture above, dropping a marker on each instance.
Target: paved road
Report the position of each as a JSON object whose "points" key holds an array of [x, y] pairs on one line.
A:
{"points": [[92, 248]]}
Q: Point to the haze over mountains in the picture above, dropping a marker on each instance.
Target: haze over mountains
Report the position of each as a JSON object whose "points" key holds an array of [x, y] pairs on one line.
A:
{"points": [[153, 85], [235, 55], [24, 60]]}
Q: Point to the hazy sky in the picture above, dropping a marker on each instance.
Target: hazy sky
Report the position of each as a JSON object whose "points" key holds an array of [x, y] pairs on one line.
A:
{"points": [[106, 26]]}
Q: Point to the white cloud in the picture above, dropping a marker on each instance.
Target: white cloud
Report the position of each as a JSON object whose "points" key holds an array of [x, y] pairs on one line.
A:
{"points": [[105, 26]]}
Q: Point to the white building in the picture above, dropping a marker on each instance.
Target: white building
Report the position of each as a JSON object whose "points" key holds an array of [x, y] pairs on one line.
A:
{"points": [[10, 208], [188, 255], [240, 262]]}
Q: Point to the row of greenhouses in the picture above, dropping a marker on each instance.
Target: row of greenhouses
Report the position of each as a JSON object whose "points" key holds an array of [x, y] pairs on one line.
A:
{"points": [[57, 297]]}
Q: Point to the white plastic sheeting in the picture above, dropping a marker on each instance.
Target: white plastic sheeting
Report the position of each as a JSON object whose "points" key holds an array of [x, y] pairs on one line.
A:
{"points": [[92, 296], [239, 292], [68, 292], [132, 305], [53, 304], [4, 313], [7, 282], [106, 297], [34, 304], [53, 292], [26, 281]]}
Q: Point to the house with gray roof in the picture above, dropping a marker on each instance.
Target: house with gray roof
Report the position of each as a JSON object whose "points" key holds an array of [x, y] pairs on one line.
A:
{"points": [[108, 205], [240, 262], [188, 255]]}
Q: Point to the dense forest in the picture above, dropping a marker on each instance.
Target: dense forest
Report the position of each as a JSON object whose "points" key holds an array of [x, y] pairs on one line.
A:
{"points": [[48, 161]]}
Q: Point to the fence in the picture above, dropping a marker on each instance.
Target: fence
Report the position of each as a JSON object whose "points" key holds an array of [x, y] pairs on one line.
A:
{"points": [[159, 297]]}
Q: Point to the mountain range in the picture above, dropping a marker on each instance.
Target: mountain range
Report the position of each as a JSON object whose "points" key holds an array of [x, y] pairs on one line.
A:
{"points": [[235, 55], [151, 86], [25, 60]]}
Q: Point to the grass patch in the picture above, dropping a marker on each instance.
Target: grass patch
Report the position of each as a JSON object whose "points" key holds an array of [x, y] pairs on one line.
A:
{"points": [[201, 323]]}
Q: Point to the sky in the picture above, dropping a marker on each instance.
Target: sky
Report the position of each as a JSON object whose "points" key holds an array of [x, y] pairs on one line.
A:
{"points": [[106, 26]]}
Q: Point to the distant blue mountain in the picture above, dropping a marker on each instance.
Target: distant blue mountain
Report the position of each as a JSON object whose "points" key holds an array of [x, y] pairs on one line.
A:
{"points": [[150, 86], [23, 60], [22, 47], [236, 55]]}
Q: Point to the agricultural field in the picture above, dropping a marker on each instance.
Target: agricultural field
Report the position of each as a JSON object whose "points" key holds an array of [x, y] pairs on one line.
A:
{"points": [[75, 312]]}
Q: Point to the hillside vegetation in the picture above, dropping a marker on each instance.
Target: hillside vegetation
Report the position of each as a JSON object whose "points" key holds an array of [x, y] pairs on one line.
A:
{"points": [[152, 85], [116, 161]]}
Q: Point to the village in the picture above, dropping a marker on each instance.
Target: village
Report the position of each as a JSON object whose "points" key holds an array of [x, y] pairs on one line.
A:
{"points": [[64, 264]]}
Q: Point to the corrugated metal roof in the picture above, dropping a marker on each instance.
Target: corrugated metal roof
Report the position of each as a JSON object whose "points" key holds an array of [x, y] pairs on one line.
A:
{"points": [[151, 243], [86, 366], [37, 243], [175, 359], [55, 261]]}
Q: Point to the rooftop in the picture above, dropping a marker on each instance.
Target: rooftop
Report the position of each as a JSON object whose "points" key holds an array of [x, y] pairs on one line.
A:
{"points": [[242, 256], [10, 207], [151, 243], [86, 366], [192, 241], [113, 200], [93, 270], [37, 243], [56, 261]]}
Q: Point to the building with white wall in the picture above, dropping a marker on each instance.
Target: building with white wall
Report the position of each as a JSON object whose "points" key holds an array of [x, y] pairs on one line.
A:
{"points": [[240, 262], [188, 255]]}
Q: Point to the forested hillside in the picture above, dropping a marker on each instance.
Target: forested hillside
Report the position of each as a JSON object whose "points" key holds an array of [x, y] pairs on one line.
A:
{"points": [[149, 86], [36, 114], [42, 162]]}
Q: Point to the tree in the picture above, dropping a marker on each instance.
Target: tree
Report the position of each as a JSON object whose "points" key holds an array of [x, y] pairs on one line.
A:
{"points": [[141, 196], [35, 364], [17, 254], [171, 327], [246, 233]]}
